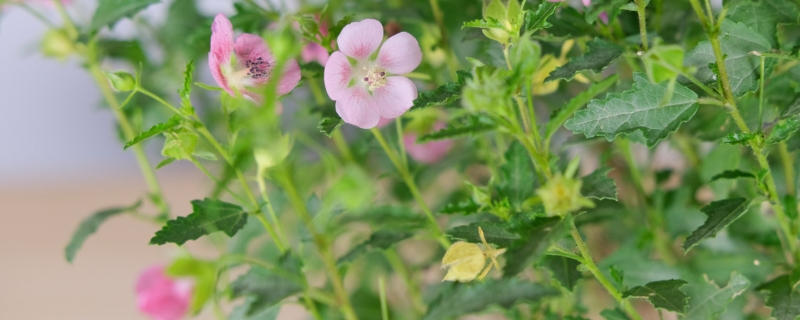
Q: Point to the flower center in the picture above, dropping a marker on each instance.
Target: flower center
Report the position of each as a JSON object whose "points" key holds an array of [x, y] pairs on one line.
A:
{"points": [[257, 68], [375, 78]]}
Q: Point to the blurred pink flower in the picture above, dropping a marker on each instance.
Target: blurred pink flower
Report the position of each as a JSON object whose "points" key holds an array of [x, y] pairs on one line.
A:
{"points": [[161, 297], [314, 51], [429, 152], [253, 63], [383, 122], [367, 91]]}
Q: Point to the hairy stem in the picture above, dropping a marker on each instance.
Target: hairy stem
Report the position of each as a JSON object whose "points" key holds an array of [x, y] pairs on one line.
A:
{"points": [[642, 23]]}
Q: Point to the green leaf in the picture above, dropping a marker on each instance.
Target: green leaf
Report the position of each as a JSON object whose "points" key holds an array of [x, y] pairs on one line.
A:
{"points": [[732, 174], [155, 130], [517, 175], [207, 216], [337, 28], [611, 7], [615, 314], [312, 69], [329, 124], [495, 233], [456, 299], [784, 298], [665, 294], [564, 269], [380, 240], [763, 16], [738, 138], [720, 214], [268, 287], [240, 311], [485, 23], [783, 130], [164, 162], [792, 109], [641, 108], [599, 186], [110, 11], [538, 235], [445, 94], [180, 145], [708, 300], [600, 54], [737, 41], [130, 50], [186, 91], [465, 207], [204, 276], [466, 125], [535, 20], [90, 225], [577, 102]]}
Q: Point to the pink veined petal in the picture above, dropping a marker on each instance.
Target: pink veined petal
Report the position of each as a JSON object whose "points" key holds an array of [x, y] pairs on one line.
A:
{"points": [[252, 96], [396, 97], [221, 50], [400, 54], [216, 72], [338, 72], [289, 78], [315, 52], [249, 47], [358, 108], [152, 277], [383, 122], [587, 3], [360, 39], [426, 152], [161, 297]]}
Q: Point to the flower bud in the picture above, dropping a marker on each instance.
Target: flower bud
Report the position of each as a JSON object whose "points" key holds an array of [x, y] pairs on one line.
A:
{"points": [[465, 261], [121, 81], [268, 157], [562, 195], [57, 44]]}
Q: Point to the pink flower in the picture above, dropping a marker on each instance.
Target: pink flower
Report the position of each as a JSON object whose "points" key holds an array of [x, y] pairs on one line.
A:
{"points": [[245, 63], [314, 51], [160, 297], [429, 152], [369, 89]]}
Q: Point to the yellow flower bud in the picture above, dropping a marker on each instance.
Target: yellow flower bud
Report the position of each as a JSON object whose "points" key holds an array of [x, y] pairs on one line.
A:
{"points": [[466, 260]]}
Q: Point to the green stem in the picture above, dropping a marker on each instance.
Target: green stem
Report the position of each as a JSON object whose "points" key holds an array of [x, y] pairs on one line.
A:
{"points": [[788, 168], [452, 62], [342, 298], [642, 23], [413, 289], [265, 196], [412, 186], [382, 294], [588, 262], [761, 96]]}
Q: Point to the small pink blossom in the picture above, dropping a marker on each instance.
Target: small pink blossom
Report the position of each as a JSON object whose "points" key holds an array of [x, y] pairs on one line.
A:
{"points": [[314, 51], [371, 88], [245, 63], [383, 122], [429, 152], [160, 297]]}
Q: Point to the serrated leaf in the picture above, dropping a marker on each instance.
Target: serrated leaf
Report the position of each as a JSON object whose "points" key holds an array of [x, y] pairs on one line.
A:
{"points": [[535, 20], [738, 138], [338, 26], [207, 216], [708, 300], [792, 109], [444, 94], [495, 233], [539, 233], [155, 130], [464, 207], [763, 16], [90, 225], [732, 174], [737, 41], [240, 311], [720, 214], [466, 125], [329, 124], [564, 269], [563, 113], [783, 297], [599, 55], [486, 23], [186, 91], [517, 176], [110, 11], [267, 287], [665, 294], [783, 130], [615, 314], [638, 109], [599, 186], [204, 276], [164, 163], [456, 299], [180, 145], [380, 240]]}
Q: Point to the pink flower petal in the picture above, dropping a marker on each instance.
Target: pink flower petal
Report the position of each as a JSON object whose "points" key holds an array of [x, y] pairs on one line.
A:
{"points": [[249, 47], [396, 97], [358, 108], [603, 17], [221, 49], [429, 152], [338, 72], [383, 122], [161, 297], [587, 3], [360, 39], [315, 52], [290, 78], [400, 54]]}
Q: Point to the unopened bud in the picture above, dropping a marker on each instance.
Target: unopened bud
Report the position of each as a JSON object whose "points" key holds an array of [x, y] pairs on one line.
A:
{"points": [[56, 44], [121, 81]]}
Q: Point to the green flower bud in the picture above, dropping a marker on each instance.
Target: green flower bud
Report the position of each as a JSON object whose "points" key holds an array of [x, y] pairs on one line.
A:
{"points": [[121, 81], [274, 154], [57, 44], [562, 195]]}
